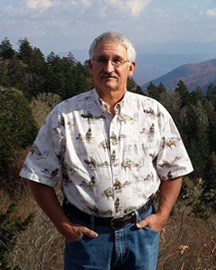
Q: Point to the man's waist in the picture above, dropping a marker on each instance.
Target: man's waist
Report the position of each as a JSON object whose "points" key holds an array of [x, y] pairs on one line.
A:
{"points": [[114, 222]]}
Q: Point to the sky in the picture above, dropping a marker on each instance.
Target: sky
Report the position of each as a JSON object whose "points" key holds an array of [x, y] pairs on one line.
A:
{"points": [[65, 25]]}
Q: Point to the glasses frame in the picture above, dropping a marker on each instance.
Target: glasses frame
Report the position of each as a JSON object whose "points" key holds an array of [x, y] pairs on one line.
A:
{"points": [[103, 61]]}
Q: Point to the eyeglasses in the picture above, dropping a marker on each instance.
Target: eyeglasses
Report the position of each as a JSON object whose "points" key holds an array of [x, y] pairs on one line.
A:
{"points": [[115, 61]]}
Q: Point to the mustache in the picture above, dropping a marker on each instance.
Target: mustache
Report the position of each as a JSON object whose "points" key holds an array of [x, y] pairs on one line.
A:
{"points": [[104, 75]]}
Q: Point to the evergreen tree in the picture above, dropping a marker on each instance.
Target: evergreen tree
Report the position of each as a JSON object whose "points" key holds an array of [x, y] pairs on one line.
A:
{"points": [[17, 127], [133, 87], [183, 92], [196, 96], [6, 49], [209, 192], [10, 227], [211, 94], [37, 71], [196, 126], [152, 91], [25, 51], [55, 79]]}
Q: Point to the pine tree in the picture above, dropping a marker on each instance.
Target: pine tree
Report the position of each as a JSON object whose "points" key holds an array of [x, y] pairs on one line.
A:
{"points": [[6, 49], [17, 127]]}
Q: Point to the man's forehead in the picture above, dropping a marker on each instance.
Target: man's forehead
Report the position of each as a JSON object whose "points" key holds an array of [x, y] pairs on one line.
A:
{"points": [[106, 46]]}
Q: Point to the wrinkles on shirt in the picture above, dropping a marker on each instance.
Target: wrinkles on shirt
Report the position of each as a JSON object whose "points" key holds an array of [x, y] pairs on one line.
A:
{"points": [[112, 164]]}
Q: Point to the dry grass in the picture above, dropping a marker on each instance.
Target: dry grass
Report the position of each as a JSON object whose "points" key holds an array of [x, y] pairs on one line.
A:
{"points": [[40, 247], [186, 243]]}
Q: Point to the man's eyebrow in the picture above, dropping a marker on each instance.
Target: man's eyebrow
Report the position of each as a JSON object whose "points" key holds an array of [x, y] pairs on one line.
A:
{"points": [[106, 56]]}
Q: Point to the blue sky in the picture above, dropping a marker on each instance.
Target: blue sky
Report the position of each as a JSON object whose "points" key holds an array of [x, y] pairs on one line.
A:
{"points": [[64, 25]]}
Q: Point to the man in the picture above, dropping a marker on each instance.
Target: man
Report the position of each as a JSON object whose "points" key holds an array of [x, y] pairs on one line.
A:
{"points": [[112, 150]]}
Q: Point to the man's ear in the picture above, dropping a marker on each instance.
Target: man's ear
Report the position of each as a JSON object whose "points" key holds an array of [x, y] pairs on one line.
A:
{"points": [[90, 66], [131, 69]]}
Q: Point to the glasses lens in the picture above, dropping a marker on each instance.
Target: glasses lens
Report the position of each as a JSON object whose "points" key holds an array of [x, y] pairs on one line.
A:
{"points": [[115, 61]]}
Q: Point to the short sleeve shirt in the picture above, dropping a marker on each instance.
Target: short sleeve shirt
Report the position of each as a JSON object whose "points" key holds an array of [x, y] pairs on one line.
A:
{"points": [[108, 165]]}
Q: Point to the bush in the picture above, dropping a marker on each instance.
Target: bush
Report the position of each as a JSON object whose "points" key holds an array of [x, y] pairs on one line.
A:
{"points": [[10, 226], [17, 127]]}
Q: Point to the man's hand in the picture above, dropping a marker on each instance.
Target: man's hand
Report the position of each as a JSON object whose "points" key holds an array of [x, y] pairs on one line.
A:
{"points": [[74, 232], [154, 222], [47, 199], [169, 191]]}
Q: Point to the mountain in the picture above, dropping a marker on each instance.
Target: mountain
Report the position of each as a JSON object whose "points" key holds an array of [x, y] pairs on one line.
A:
{"points": [[201, 74], [156, 59], [153, 65]]}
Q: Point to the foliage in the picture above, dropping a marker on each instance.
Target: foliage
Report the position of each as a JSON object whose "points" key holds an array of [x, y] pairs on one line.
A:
{"points": [[17, 126], [195, 116], [133, 87], [40, 79], [10, 227], [6, 49], [29, 71], [44, 82], [42, 105]]}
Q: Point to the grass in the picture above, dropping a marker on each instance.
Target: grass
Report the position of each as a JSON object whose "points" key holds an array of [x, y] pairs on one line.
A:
{"points": [[187, 243]]}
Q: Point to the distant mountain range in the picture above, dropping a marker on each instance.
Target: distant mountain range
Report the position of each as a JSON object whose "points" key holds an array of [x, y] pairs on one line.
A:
{"points": [[154, 60], [202, 74], [151, 66]]}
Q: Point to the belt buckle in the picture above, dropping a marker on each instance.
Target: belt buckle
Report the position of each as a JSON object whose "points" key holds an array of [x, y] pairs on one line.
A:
{"points": [[121, 222], [116, 223]]}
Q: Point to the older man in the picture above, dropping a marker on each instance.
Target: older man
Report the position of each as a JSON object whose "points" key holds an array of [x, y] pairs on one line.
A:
{"points": [[111, 151]]}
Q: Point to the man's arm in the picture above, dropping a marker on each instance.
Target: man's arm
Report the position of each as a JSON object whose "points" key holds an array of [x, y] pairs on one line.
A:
{"points": [[169, 191], [47, 199]]}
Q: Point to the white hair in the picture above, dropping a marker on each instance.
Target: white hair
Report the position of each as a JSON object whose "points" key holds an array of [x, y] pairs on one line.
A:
{"points": [[116, 37]]}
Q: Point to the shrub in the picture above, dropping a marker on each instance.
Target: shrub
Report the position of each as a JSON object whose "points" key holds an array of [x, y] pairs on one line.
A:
{"points": [[10, 227], [17, 127]]}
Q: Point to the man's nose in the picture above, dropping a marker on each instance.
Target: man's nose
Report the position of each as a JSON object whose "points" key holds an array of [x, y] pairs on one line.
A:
{"points": [[108, 67]]}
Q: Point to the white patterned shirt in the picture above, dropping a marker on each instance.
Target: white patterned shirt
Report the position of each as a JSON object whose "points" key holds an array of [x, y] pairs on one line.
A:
{"points": [[108, 165]]}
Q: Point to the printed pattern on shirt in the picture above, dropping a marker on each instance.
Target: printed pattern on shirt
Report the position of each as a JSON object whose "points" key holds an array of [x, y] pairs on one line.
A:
{"points": [[107, 165]]}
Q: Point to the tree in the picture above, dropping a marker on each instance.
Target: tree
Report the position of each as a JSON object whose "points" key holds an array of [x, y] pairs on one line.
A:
{"points": [[209, 192], [195, 126], [6, 49], [152, 91], [211, 94], [133, 87], [42, 104], [172, 102], [10, 226], [55, 78], [36, 73], [25, 51], [183, 92], [17, 126]]}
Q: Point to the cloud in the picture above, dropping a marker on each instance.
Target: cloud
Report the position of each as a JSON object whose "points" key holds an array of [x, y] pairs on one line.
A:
{"points": [[134, 7], [211, 12], [39, 4]]}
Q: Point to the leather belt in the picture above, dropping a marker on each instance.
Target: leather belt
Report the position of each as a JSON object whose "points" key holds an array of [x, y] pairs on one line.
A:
{"points": [[115, 223]]}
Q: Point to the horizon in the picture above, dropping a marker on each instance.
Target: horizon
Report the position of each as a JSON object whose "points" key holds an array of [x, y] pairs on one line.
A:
{"points": [[66, 25]]}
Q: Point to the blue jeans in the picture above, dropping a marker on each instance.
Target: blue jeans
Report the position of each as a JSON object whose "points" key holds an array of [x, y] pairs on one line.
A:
{"points": [[127, 248]]}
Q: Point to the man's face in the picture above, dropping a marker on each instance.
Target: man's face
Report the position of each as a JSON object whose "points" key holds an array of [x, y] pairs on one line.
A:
{"points": [[110, 67]]}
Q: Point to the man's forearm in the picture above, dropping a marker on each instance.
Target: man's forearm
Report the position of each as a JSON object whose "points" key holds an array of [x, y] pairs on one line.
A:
{"points": [[169, 192], [48, 201]]}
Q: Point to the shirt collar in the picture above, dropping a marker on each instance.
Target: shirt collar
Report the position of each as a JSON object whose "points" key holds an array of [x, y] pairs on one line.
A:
{"points": [[120, 105]]}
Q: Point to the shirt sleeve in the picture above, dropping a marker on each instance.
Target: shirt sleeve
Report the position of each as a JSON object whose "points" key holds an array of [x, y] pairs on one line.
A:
{"points": [[173, 160], [43, 163]]}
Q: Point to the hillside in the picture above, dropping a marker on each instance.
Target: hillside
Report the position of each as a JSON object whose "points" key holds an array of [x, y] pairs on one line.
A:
{"points": [[201, 74], [156, 59], [151, 66]]}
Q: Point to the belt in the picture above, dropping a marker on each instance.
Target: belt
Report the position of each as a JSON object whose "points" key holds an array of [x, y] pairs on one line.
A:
{"points": [[115, 223]]}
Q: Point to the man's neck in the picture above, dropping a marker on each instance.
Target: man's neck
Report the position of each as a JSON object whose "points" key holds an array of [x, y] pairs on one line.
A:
{"points": [[111, 98]]}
